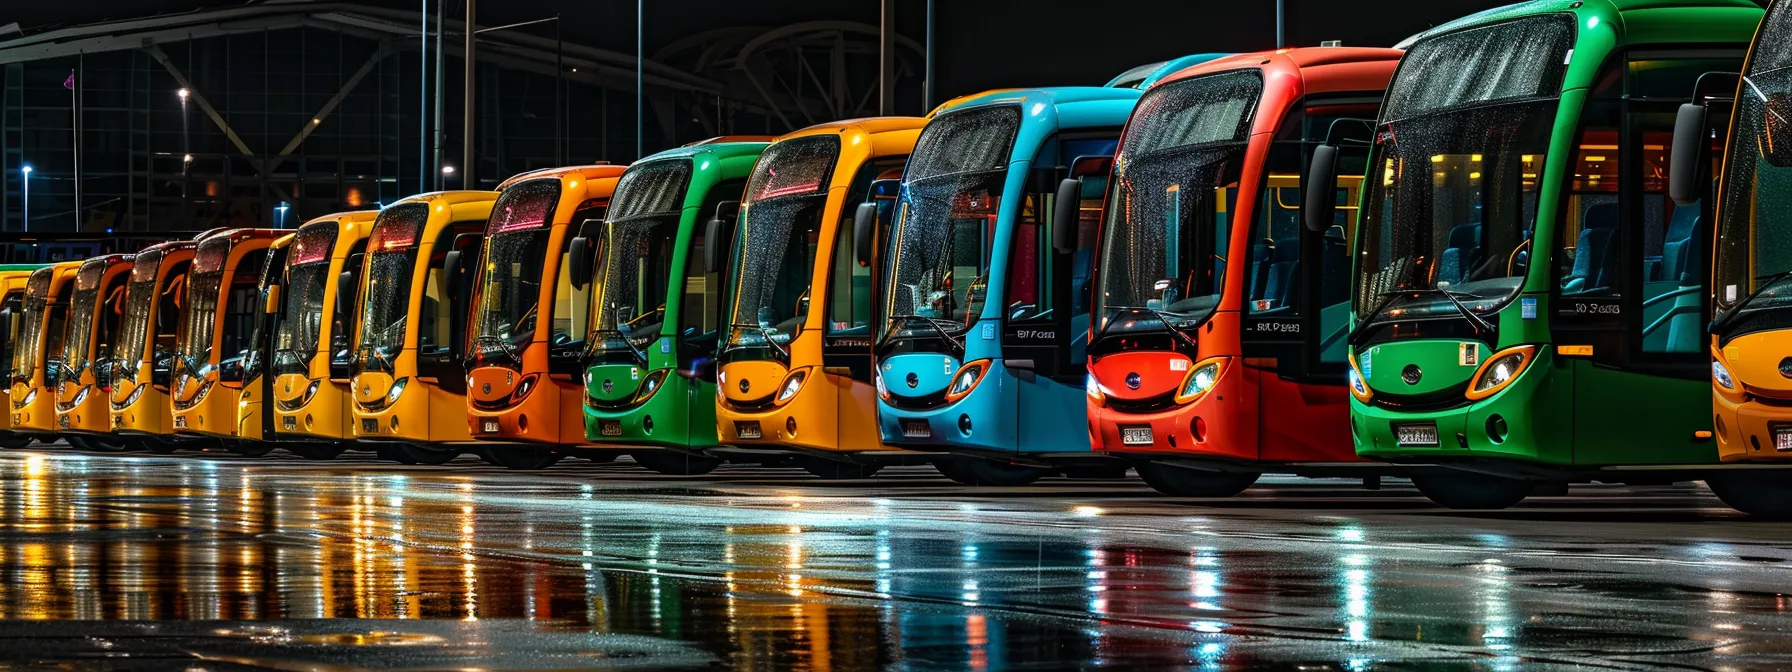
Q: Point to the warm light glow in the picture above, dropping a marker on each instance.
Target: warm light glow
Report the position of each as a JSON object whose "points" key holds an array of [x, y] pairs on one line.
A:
{"points": [[447, 170], [183, 93]]}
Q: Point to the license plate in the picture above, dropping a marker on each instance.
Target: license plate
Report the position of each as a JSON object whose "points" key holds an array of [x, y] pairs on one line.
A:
{"points": [[62, 420], [491, 426], [1782, 439], [609, 427], [370, 426], [1416, 435], [747, 430], [289, 423], [1136, 436], [180, 421], [117, 421], [917, 429]]}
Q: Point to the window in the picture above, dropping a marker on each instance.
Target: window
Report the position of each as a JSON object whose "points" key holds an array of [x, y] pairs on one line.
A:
{"points": [[849, 298], [1039, 280], [437, 313], [573, 303], [342, 322], [701, 306], [241, 312]]}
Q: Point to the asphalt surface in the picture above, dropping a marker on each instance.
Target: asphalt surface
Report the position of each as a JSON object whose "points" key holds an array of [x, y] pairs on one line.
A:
{"points": [[199, 562]]}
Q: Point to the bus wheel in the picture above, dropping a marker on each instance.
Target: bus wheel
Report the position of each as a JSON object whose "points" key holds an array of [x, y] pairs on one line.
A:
{"points": [[524, 458], [1754, 493], [978, 471], [158, 446], [1184, 482], [251, 448], [14, 441], [315, 451], [1465, 490], [404, 453], [838, 471], [674, 463]]}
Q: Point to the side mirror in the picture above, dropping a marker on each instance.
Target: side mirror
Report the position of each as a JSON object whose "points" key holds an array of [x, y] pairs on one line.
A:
{"points": [[578, 261], [345, 291], [1686, 179], [1321, 198], [864, 230], [1067, 215], [452, 268], [716, 232]]}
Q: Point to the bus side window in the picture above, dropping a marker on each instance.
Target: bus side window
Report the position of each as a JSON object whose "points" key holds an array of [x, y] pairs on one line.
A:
{"points": [[342, 326], [167, 326], [11, 309], [701, 310], [571, 303], [241, 311], [433, 337]]}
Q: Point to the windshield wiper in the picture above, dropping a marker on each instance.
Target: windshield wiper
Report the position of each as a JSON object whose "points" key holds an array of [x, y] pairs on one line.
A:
{"points": [[1481, 324], [1477, 322], [767, 333], [1163, 317], [640, 354], [1724, 320], [503, 343], [935, 323]]}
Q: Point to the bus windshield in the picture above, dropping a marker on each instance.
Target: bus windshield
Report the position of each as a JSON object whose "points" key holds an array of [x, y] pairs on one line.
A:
{"points": [[391, 260], [301, 318], [139, 297], [775, 248], [81, 317], [1170, 203], [634, 258], [1453, 186], [939, 254], [1754, 245], [37, 302], [509, 290]]}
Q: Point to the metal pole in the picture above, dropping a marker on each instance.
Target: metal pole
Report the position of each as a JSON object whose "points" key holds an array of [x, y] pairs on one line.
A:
{"points": [[27, 198], [468, 171], [927, 89], [640, 93], [441, 127], [886, 59], [1280, 42], [559, 88], [75, 112], [423, 103]]}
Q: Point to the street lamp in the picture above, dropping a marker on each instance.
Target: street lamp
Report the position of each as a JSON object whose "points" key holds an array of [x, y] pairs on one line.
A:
{"points": [[25, 170], [447, 172], [282, 208]]}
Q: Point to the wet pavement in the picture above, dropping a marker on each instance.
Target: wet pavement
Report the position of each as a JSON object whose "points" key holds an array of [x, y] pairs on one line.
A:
{"points": [[226, 563]]}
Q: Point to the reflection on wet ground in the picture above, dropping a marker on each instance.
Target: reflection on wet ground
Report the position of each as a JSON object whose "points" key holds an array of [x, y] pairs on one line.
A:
{"points": [[295, 565]]}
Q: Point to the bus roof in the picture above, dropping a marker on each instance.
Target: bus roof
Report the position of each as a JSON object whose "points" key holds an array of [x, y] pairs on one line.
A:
{"points": [[594, 171], [1319, 69], [19, 267], [455, 197], [1144, 76], [724, 148], [1638, 18], [1070, 106]]}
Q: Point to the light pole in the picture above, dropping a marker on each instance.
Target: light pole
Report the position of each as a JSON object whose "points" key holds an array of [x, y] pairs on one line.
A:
{"points": [[281, 224], [186, 164], [25, 170]]}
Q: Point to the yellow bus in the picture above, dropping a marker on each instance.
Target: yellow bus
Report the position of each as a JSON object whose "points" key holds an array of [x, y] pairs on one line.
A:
{"points": [[88, 367], [312, 317], [214, 349], [12, 315], [795, 374], [142, 410], [524, 392], [40, 342], [408, 385]]}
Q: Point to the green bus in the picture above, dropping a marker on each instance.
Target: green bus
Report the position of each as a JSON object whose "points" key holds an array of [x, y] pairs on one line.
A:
{"points": [[1528, 303]]}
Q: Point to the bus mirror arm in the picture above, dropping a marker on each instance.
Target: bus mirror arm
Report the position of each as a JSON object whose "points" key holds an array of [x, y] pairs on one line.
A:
{"points": [[864, 224], [1690, 154], [1067, 215], [1321, 204]]}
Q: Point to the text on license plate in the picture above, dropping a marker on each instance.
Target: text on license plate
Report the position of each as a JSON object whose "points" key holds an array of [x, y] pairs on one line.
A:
{"points": [[180, 421], [1136, 436], [916, 429], [289, 423], [747, 429], [1782, 439], [370, 426], [610, 428], [491, 426], [1416, 435]]}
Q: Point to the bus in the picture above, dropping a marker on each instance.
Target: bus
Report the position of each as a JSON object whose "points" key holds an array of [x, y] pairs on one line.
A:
{"points": [[303, 340], [34, 360], [89, 359], [1526, 308], [795, 361], [524, 391], [655, 314], [216, 366], [13, 278], [405, 374], [142, 411], [983, 313], [1202, 373], [1749, 393]]}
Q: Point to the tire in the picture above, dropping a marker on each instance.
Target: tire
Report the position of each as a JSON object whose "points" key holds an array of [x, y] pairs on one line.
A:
{"points": [[315, 451], [838, 471], [1465, 490], [12, 441], [1184, 482], [405, 453], [251, 448], [978, 471], [76, 442], [674, 463], [1095, 472], [159, 446], [1756, 494], [523, 458]]}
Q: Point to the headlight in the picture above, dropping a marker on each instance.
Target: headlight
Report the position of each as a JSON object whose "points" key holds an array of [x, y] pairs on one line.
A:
{"points": [[1093, 389], [650, 385], [304, 398], [1499, 371], [523, 388], [1357, 386], [396, 391], [1200, 379], [30, 396], [966, 379], [1722, 375], [882, 392], [81, 395], [136, 393], [792, 384]]}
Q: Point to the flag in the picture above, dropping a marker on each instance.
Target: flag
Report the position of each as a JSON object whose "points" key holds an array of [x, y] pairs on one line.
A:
{"points": [[70, 82]]}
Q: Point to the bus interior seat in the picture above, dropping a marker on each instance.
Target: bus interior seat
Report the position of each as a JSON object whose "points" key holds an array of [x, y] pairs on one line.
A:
{"points": [[1261, 253], [1594, 254], [1462, 255], [1334, 268], [1677, 262], [1284, 272]]}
